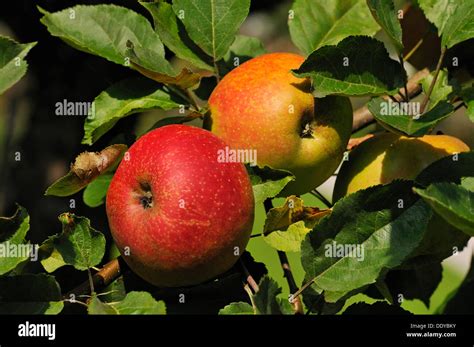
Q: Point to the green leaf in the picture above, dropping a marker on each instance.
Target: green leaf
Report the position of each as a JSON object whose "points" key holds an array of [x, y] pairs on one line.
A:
{"points": [[30, 294], [453, 18], [452, 202], [286, 226], [442, 241], [103, 30], [140, 303], [398, 116], [78, 245], [385, 14], [244, 48], [96, 306], [285, 306], [134, 303], [12, 237], [461, 300], [123, 99], [115, 291], [468, 183], [367, 232], [357, 66], [418, 281], [467, 96], [152, 65], [448, 169], [95, 192], [441, 89], [237, 308], [86, 168], [266, 298], [288, 240], [317, 23], [12, 63], [268, 182], [174, 36], [212, 24]]}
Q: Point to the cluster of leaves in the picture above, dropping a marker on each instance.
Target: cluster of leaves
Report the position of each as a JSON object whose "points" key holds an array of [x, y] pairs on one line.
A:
{"points": [[342, 58]]}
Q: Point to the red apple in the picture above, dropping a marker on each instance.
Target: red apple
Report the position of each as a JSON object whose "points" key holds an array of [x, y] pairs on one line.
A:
{"points": [[178, 215]]}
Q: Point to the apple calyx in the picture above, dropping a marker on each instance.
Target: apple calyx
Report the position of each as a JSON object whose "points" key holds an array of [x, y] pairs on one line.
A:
{"points": [[145, 195], [307, 125]]}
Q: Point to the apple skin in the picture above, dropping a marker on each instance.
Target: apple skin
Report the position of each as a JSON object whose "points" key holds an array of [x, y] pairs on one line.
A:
{"points": [[387, 156], [180, 212], [262, 106]]}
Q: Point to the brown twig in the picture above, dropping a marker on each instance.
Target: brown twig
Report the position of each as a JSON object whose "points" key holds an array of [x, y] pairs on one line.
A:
{"points": [[405, 91], [101, 279], [362, 115], [354, 142], [433, 81], [248, 277], [285, 265], [287, 273]]}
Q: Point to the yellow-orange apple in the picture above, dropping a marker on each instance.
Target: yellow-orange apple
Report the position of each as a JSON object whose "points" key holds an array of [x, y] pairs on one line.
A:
{"points": [[387, 156], [261, 106]]}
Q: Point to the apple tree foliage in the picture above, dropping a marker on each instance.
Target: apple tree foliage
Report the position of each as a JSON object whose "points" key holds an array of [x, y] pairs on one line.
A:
{"points": [[346, 54]]}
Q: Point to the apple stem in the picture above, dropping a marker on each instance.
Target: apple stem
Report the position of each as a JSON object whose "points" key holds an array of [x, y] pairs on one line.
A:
{"points": [[186, 95], [287, 273], [216, 70], [415, 48], [433, 81], [91, 282], [192, 99]]}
